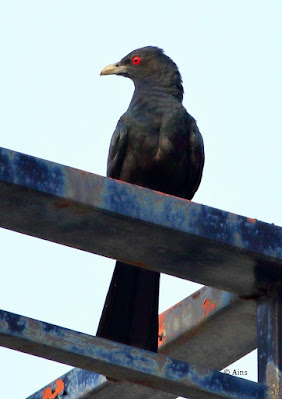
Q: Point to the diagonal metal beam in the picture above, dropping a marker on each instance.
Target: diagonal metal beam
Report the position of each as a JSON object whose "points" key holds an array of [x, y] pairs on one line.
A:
{"points": [[112, 218], [201, 329], [82, 384], [121, 361]]}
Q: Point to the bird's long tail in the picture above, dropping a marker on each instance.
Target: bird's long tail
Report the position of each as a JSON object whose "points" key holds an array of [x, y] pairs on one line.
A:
{"points": [[130, 314]]}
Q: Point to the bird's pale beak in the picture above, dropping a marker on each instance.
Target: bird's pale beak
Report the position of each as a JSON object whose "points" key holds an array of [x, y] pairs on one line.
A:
{"points": [[114, 69]]}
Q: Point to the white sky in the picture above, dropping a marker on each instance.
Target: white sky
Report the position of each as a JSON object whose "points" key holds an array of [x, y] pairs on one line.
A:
{"points": [[54, 105]]}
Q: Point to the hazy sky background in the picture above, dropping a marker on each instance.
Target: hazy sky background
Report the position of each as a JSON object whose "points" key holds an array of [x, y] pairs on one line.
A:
{"points": [[54, 105]]}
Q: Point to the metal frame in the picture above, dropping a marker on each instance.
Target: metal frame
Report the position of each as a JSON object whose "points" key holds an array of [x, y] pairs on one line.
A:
{"points": [[270, 340], [179, 237], [209, 319]]}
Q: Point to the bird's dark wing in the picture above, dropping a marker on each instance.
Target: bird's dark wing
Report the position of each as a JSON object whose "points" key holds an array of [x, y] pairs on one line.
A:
{"points": [[117, 149], [196, 159], [181, 151]]}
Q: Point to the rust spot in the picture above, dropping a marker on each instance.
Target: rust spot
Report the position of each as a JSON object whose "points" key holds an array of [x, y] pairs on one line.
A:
{"points": [[251, 220], [60, 386], [81, 172], [62, 204], [139, 264], [208, 307], [162, 337], [196, 294], [47, 393]]}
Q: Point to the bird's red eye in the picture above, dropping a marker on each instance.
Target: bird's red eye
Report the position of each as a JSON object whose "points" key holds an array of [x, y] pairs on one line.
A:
{"points": [[136, 60]]}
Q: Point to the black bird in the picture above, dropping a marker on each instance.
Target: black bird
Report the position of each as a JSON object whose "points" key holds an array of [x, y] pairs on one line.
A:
{"points": [[157, 145]]}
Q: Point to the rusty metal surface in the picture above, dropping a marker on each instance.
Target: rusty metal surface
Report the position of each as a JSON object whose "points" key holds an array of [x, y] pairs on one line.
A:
{"points": [[209, 319], [112, 218], [77, 383], [270, 341], [122, 361]]}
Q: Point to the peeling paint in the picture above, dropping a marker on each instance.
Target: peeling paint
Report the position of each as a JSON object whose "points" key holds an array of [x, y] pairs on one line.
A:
{"points": [[208, 307], [60, 386], [162, 334], [62, 204]]}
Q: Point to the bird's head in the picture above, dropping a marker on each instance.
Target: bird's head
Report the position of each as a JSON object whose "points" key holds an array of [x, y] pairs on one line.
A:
{"points": [[149, 66]]}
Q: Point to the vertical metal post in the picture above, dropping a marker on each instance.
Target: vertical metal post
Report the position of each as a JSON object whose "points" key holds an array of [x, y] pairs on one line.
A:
{"points": [[269, 331]]}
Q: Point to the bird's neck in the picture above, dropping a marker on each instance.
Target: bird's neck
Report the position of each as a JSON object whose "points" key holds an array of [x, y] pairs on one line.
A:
{"points": [[175, 90], [163, 80]]}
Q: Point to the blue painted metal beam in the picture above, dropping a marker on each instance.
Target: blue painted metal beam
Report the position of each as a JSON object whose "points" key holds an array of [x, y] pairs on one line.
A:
{"points": [[200, 319], [112, 218], [209, 319], [270, 340], [77, 383], [122, 362]]}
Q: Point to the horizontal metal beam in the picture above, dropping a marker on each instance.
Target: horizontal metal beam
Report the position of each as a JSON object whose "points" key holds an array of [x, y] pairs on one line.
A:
{"points": [[201, 329], [122, 362], [136, 225]]}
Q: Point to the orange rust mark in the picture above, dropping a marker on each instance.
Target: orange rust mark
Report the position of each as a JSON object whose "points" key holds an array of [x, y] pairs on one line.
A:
{"points": [[251, 220], [60, 387], [62, 204], [82, 172], [208, 307], [162, 337], [140, 264], [169, 195]]}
